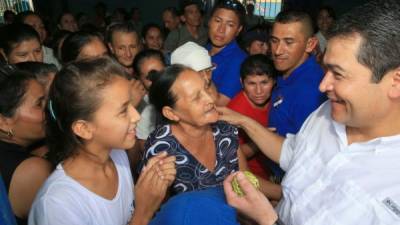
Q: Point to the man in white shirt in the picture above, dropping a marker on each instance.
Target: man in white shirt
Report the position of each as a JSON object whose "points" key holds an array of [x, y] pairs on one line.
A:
{"points": [[342, 167]]}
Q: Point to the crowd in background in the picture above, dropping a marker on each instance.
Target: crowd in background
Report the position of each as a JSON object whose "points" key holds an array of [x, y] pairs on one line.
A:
{"points": [[104, 119]]}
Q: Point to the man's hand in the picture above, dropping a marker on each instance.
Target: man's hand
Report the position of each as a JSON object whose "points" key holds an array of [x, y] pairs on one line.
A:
{"points": [[253, 204]]}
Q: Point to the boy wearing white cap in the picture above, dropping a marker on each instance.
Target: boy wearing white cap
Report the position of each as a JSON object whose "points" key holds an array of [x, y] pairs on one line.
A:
{"points": [[196, 57]]}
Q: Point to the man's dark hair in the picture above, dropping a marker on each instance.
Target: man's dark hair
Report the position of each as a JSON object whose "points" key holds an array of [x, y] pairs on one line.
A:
{"points": [[258, 64], [186, 3], [233, 5], [172, 10], [377, 22], [120, 27], [292, 16]]}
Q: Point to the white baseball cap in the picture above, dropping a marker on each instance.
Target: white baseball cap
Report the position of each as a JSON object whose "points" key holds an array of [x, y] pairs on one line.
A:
{"points": [[192, 55]]}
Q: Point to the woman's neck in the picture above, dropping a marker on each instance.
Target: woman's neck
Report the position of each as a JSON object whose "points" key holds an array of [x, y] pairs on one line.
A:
{"points": [[189, 130], [89, 158]]}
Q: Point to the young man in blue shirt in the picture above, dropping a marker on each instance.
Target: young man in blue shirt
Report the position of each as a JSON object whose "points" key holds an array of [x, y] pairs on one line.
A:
{"points": [[296, 94], [225, 24]]}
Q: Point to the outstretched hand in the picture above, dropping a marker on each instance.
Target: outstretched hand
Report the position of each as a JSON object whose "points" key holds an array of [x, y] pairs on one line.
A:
{"points": [[230, 116], [253, 204]]}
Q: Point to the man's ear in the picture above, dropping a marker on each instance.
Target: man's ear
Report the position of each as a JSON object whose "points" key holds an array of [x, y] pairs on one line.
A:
{"points": [[394, 91], [182, 18], [111, 48], [170, 114], [238, 31], [83, 129], [312, 43], [3, 54]]}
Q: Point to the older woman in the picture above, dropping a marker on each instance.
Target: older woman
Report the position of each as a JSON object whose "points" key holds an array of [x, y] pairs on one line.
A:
{"points": [[20, 43], [206, 150], [21, 125]]}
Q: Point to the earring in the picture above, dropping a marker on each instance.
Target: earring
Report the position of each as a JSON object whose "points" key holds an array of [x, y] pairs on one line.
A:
{"points": [[10, 134]]}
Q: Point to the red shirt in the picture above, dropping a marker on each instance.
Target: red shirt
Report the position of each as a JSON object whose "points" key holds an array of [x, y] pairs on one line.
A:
{"points": [[240, 103]]}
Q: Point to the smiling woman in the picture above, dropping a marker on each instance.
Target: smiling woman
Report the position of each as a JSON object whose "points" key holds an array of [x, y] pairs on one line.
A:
{"points": [[20, 43], [207, 150], [21, 124]]}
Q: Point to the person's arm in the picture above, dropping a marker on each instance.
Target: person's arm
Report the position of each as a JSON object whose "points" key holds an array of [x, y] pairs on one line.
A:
{"points": [[26, 182], [151, 188], [222, 100], [269, 189], [267, 141], [249, 149], [253, 204]]}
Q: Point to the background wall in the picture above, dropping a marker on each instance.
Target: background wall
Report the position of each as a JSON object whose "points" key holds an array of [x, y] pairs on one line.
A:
{"points": [[151, 9]]}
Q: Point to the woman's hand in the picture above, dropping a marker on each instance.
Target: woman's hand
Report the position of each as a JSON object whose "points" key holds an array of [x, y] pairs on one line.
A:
{"points": [[151, 187], [253, 204]]}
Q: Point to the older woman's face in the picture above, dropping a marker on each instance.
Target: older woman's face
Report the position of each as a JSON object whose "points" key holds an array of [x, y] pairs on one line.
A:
{"points": [[194, 105], [26, 51], [28, 121]]}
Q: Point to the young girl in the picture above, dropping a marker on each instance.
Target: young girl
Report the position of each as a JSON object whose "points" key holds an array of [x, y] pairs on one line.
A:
{"points": [[90, 120]]}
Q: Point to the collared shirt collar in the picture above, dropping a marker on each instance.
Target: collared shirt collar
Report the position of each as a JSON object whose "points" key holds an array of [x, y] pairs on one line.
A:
{"points": [[225, 50], [311, 60]]}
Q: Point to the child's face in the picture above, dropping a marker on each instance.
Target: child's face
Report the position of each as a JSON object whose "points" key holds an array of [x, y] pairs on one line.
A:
{"points": [[147, 66], [258, 89], [115, 121], [258, 47]]}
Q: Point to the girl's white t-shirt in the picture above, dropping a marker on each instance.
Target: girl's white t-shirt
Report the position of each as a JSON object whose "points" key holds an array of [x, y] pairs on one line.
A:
{"points": [[62, 200]]}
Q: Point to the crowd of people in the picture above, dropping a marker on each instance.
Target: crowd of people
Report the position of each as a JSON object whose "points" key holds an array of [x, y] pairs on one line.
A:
{"points": [[112, 121]]}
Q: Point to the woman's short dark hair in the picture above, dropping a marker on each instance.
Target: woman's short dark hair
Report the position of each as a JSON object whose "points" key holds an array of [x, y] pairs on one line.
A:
{"points": [[234, 6], [74, 43], [13, 86], [160, 93], [148, 26], [58, 37], [13, 34], [62, 15], [40, 70], [74, 95], [145, 55], [259, 64]]}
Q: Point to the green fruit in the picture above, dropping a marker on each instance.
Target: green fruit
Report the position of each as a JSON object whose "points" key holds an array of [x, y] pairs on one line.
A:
{"points": [[253, 180]]}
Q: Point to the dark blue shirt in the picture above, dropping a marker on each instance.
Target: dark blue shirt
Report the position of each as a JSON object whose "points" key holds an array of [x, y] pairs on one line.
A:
{"points": [[191, 174], [6, 213], [226, 76], [295, 98]]}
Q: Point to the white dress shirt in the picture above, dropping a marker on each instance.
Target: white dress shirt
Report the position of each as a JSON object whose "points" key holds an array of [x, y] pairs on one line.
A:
{"points": [[330, 182]]}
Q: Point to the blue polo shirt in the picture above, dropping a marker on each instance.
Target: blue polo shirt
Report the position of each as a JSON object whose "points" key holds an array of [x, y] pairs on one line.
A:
{"points": [[226, 76], [295, 98]]}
